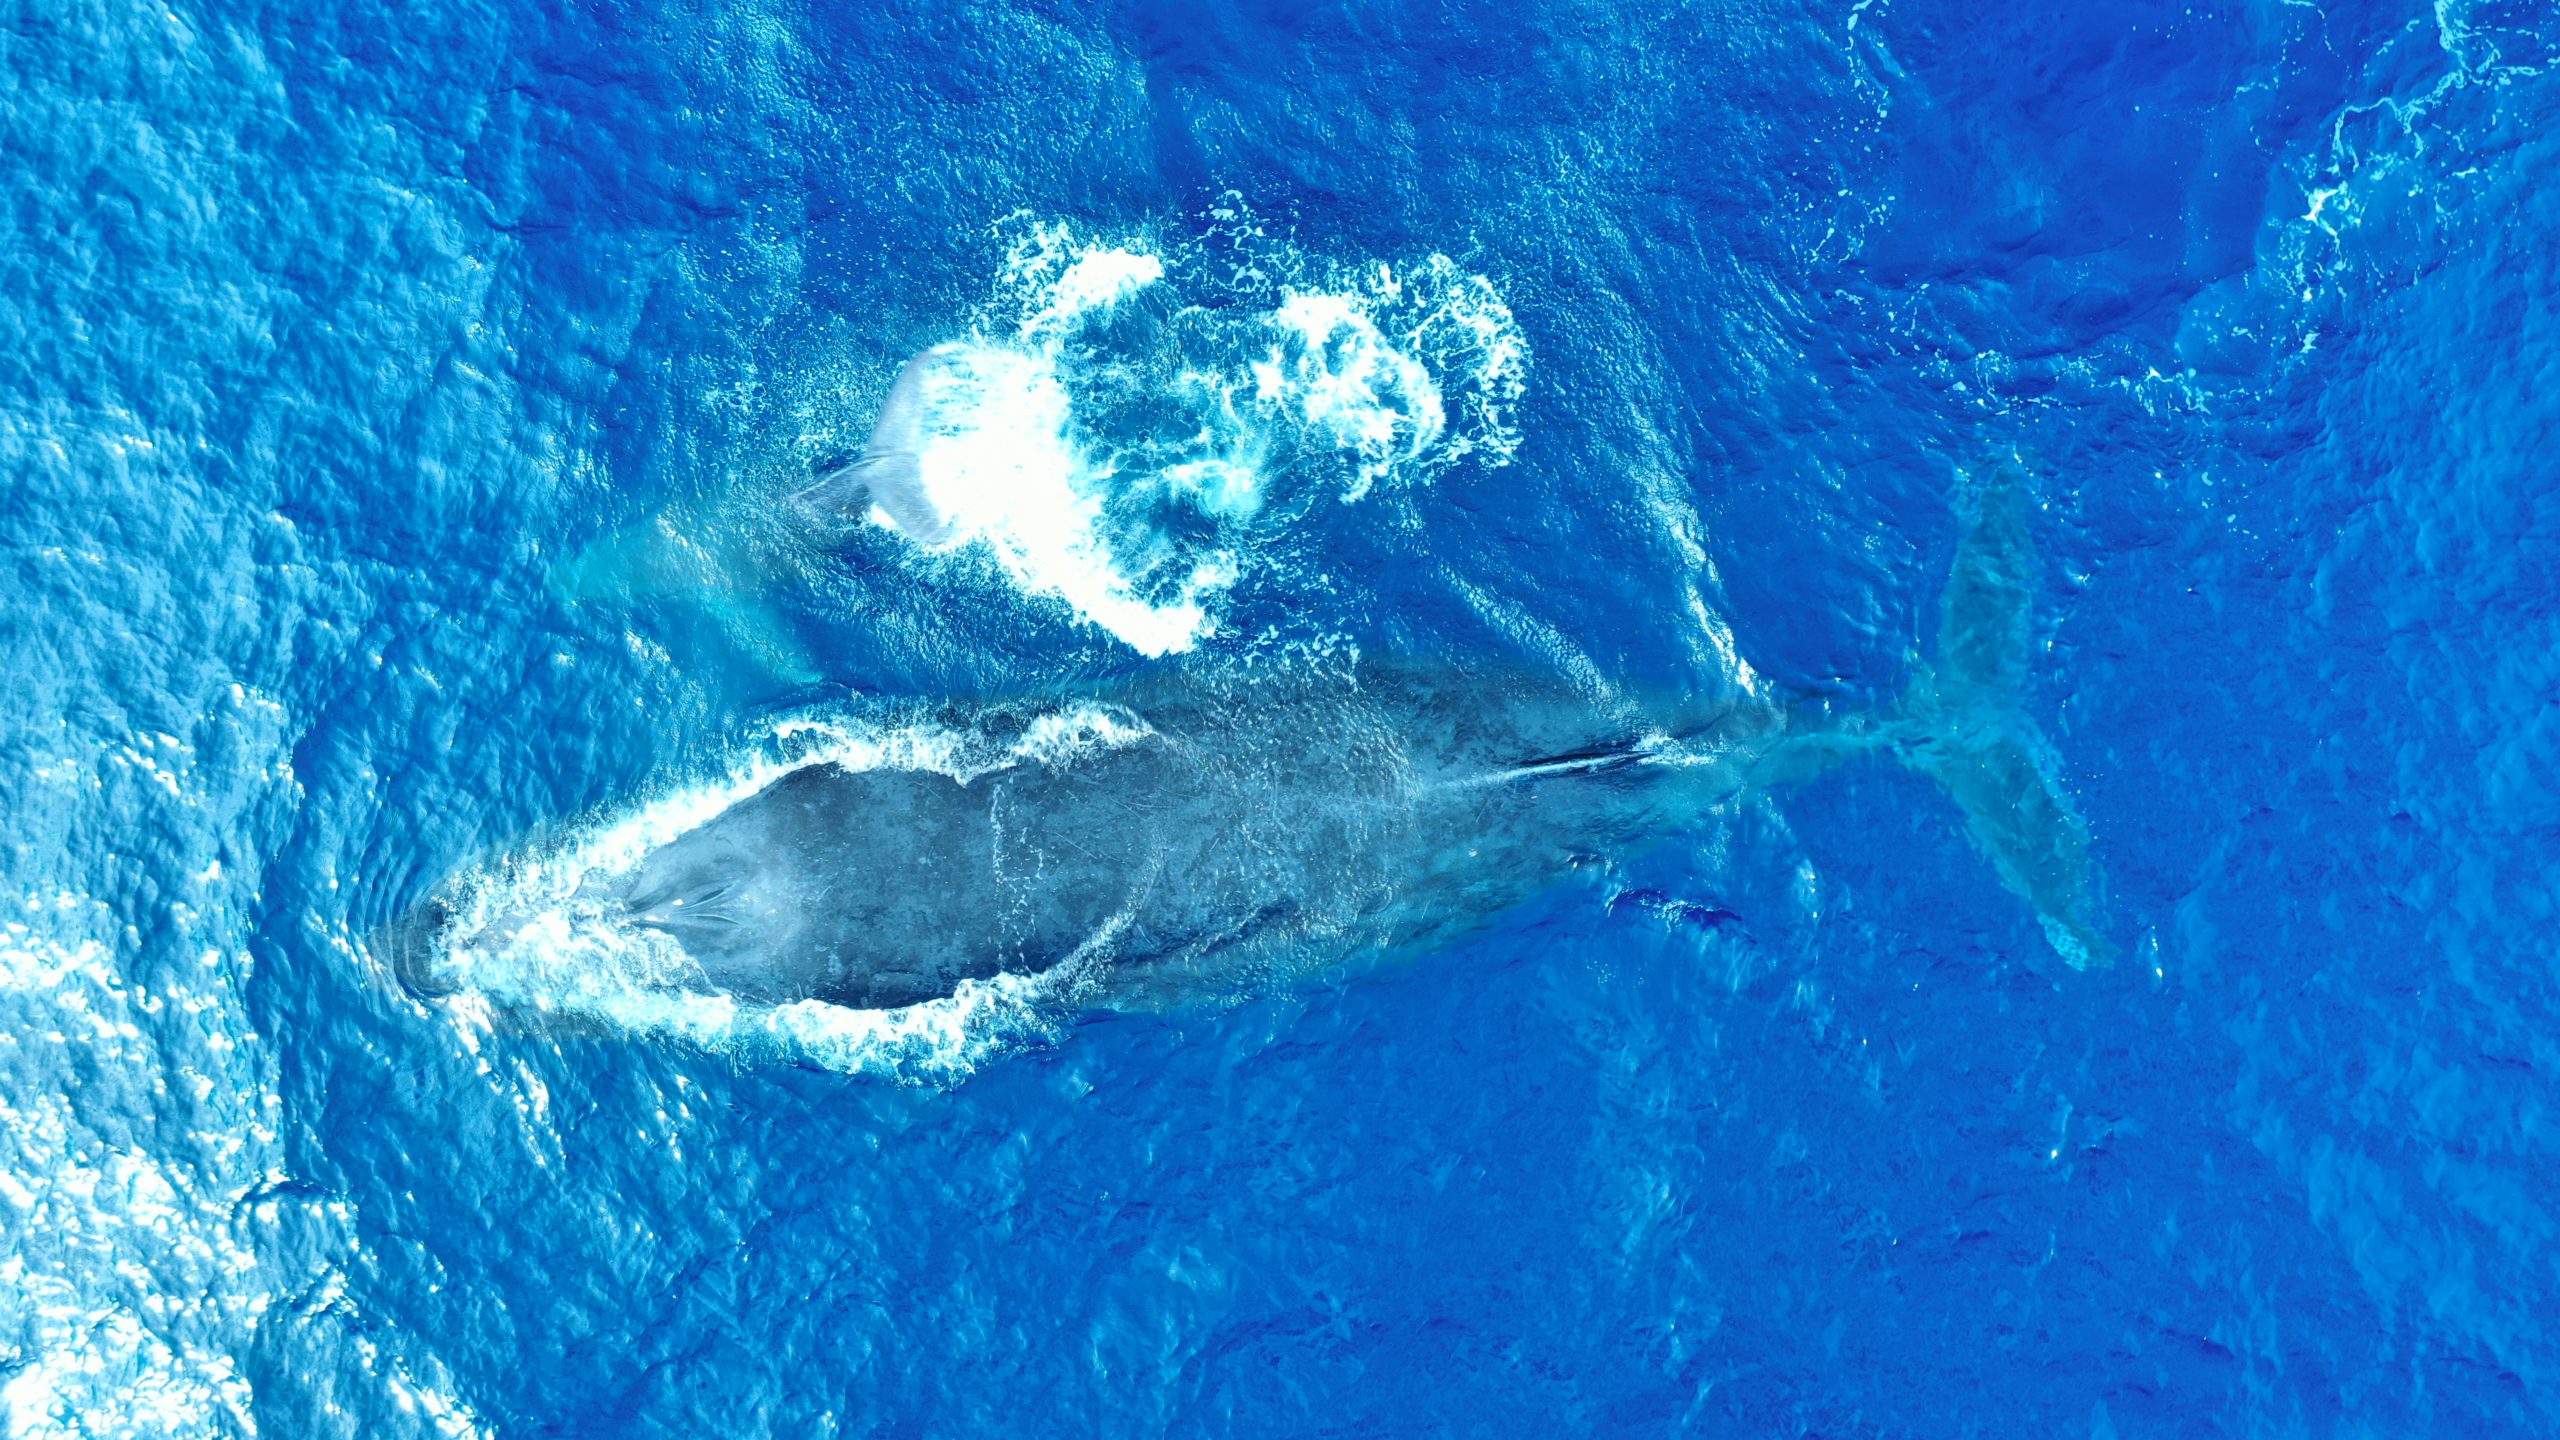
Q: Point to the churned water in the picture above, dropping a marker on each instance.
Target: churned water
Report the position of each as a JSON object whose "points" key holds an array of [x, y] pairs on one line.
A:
{"points": [[2108, 435]]}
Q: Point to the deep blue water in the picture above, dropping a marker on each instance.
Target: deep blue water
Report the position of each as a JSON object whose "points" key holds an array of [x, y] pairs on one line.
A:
{"points": [[395, 408]]}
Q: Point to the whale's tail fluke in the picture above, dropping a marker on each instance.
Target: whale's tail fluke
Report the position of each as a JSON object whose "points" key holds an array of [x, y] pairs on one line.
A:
{"points": [[887, 478], [1964, 724], [716, 562]]}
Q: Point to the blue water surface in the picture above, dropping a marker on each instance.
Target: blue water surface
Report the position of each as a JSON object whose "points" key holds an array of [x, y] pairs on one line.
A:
{"points": [[342, 340]]}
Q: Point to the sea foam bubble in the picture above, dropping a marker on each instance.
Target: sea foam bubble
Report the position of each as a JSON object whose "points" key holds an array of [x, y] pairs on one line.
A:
{"points": [[1129, 420]]}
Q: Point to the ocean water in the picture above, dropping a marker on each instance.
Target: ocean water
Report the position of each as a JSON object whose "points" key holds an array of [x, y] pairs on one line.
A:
{"points": [[398, 420]]}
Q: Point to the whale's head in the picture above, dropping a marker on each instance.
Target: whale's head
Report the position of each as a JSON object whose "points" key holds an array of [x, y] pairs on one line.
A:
{"points": [[869, 887]]}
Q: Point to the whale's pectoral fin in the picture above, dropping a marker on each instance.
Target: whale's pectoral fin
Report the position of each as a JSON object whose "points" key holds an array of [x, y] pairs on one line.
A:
{"points": [[1965, 725], [711, 570]]}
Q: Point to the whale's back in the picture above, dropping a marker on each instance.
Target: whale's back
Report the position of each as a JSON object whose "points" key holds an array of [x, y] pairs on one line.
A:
{"points": [[1355, 817], [1211, 832]]}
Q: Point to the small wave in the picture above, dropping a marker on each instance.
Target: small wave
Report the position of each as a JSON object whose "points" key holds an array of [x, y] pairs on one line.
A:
{"points": [[139, 1162], [545, 933], [92, 1356], [1129, 421]]}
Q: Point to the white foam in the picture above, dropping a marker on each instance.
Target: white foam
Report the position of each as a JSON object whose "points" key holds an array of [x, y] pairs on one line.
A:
{"points": [[545, 932], [1004, 464], [1064, 735], [1074, 281], [1349, 383], [1127, 422]]}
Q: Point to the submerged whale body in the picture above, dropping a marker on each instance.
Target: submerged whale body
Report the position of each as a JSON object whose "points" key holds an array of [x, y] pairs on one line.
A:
{"points": [[1198, 832]]}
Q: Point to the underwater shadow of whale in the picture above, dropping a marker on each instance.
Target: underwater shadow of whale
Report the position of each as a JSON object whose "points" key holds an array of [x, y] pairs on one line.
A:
{"points": [[1222, 830]]}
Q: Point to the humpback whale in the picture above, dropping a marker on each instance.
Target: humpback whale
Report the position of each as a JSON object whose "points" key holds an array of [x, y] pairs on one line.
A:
{"points": [[1201, 831]]}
